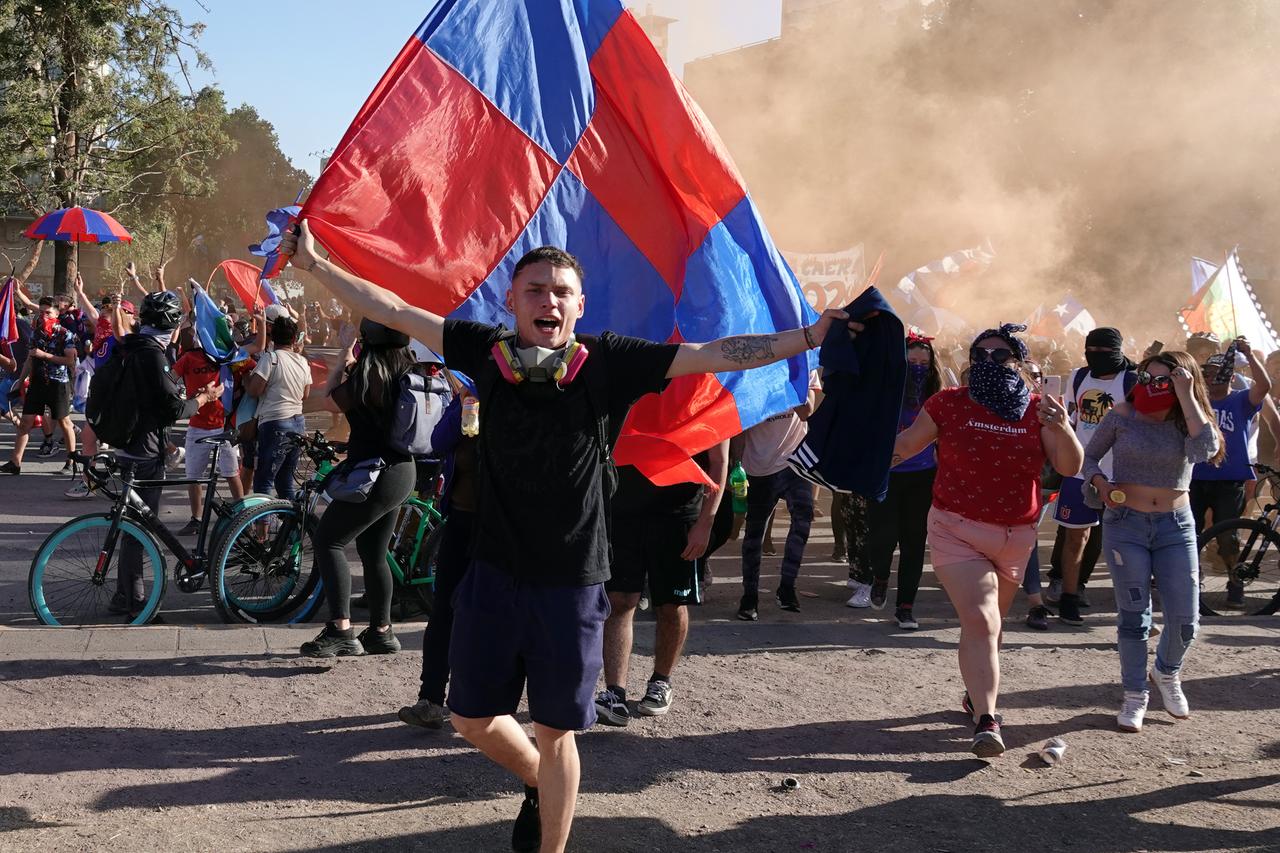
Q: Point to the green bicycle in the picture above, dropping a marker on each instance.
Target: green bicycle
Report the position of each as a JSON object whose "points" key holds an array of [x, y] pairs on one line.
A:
{"points": [[265, 560]]}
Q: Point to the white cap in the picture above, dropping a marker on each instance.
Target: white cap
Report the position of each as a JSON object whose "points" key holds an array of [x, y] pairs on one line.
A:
{"points": [[274, 311]]}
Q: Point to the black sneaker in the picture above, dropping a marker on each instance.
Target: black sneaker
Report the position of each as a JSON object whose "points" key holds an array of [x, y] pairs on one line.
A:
{"points": [[10, 468], [332, 643], [46, 449], [987, 742], [906, 619], [879, 594], [1081, 599], [192, 526], [377, 642], [747, 611], [526, 835], [424, 714], [1069, 610], [1235, 595], [1038, 618], [122, 605], [611, 709], [787, 599], [657, 699]]}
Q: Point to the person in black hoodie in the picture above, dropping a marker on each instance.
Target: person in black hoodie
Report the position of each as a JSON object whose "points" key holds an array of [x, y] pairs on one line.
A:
{"points": [[161, 402]]}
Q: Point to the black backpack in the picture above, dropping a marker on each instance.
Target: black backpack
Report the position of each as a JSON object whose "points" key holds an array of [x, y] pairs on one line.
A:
{"points": [[112, 408]]}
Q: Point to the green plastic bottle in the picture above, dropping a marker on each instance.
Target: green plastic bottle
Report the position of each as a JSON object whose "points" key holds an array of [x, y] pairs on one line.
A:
{"points": [[738, 488]]}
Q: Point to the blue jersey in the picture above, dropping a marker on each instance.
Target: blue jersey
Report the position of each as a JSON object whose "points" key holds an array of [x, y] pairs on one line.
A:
{"points": [[1234, 413]]}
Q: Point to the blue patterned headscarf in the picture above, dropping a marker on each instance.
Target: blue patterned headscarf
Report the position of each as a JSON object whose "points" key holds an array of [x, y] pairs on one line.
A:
{"points": [[1000, 387]]}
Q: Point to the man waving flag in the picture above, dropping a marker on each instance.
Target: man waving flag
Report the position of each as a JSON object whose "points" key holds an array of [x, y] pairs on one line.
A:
{"points": [[504, 125], [534, 163]]}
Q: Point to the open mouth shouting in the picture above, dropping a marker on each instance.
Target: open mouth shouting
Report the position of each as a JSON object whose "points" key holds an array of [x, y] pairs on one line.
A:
{"points": [[548, 325]]}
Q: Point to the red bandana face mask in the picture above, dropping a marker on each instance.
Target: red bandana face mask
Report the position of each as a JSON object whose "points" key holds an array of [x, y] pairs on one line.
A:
{"points": [[1150, 401], [47, 324]]}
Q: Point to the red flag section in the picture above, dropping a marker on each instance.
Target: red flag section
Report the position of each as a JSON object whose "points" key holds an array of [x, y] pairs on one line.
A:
{"points": [[243, 278]]}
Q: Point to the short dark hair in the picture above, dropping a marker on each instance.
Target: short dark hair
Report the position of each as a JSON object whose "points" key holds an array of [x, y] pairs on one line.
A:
{"points": [[47, 302], [556, 257], [284, 331]]}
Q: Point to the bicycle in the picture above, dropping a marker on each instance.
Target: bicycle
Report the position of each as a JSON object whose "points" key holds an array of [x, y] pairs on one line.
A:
{"points": [[67, 584], [271, 540], [1240, 561]]}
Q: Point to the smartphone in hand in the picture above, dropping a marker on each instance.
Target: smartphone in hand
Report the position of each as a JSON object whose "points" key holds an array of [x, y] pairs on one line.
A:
{"points": [[1052, 386]]}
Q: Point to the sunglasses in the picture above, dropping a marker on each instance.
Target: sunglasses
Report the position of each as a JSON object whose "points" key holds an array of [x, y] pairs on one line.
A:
{"points": [[1158, 383], [1000, 355]]}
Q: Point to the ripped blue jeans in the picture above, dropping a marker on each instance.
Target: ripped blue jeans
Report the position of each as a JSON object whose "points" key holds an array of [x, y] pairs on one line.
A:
{"points": [[1139, 545]]}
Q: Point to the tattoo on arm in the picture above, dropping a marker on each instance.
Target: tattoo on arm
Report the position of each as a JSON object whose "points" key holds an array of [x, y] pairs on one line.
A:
{"points": [[745, 349]]}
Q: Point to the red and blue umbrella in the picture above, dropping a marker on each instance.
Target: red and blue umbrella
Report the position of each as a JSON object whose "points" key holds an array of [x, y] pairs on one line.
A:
{"points": [[78, 225]]}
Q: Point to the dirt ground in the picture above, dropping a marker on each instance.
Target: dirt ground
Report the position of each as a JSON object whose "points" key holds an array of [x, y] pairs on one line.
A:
{"points": [[230, 752]]}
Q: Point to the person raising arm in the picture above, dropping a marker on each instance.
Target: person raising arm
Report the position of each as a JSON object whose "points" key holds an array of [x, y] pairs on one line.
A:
{"points": [[546, 308]]}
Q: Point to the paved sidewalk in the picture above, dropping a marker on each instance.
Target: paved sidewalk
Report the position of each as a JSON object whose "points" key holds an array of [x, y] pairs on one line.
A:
{"points": [[717, 636]]}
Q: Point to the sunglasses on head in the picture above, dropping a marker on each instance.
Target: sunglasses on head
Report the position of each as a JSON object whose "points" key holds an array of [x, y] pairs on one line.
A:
{"points": [[1159, 383], [1000, 355]]}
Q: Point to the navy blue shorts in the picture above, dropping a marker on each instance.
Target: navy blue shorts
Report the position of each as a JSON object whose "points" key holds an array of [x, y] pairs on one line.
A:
{"points": [[507, 632], [1072, 511]]}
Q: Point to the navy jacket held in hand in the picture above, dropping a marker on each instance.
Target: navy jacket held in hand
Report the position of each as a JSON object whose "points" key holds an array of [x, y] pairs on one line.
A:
{"points": [[850, 442]]}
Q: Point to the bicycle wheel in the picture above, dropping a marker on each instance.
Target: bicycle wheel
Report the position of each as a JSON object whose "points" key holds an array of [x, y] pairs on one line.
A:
{"points": [[416, 585], [1239, 569], [61, 585], [263, 568]]}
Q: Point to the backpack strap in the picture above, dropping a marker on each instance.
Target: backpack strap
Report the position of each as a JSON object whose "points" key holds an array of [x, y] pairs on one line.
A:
{"points": [[1077, 379], [1130, 382]]}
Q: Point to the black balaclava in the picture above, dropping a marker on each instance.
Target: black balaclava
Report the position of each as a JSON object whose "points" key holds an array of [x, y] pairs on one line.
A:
{"points": [[1106, 363]]}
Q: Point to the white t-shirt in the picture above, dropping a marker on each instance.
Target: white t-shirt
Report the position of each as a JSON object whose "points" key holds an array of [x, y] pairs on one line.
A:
{"points": [[770, 442], [1095, 398], [287, 375]]}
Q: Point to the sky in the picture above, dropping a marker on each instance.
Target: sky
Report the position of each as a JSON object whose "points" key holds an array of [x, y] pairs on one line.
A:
{"points": [[308, 72]]}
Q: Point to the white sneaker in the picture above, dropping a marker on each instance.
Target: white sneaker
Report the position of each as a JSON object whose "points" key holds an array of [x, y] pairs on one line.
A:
{"points": [[1170, 687], [861, 595], [1132, 711], [79, 489]]}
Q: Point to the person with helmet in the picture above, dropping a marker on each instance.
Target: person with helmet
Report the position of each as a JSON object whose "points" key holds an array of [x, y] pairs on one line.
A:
{"points": [[160, 403]]}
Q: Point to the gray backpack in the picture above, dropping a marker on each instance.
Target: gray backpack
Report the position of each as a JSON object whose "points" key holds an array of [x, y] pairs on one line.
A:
{"points": [[419, 407]]}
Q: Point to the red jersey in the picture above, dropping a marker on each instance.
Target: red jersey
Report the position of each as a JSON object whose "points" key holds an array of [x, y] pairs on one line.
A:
{"points": [[197, 370], [988, 468]]}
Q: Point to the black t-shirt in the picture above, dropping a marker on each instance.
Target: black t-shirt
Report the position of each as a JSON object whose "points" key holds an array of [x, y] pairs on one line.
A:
{"points": [[540, 513], [637, 497]]}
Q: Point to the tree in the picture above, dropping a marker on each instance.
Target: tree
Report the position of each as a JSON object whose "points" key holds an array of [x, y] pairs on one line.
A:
{"points": [[96, 109], [251, 176]]}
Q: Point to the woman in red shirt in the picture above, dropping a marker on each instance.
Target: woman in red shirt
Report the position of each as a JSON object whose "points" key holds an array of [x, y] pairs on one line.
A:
{"points": [[993, 437]]}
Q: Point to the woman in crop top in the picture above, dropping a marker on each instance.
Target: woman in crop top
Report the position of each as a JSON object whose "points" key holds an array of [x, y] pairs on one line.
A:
{"points": [[1148, 527], [993, 438]]}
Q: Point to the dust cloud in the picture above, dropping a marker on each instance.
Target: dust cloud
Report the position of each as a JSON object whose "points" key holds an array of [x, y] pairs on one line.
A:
{"points": [[1098, 144]]}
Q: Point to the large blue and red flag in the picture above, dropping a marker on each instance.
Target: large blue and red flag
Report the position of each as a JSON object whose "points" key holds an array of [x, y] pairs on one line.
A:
{"points": [[504, 125]]}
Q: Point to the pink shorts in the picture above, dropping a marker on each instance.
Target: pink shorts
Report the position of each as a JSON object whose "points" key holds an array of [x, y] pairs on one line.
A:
{"points": [[955, 539]]}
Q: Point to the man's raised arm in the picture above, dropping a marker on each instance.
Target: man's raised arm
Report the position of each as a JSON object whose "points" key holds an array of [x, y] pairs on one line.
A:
{"points": [[364, 298], [743, 352]]}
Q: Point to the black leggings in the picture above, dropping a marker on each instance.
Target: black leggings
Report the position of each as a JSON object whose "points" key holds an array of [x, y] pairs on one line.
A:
{"points": [[370, 524], [900, 521]]}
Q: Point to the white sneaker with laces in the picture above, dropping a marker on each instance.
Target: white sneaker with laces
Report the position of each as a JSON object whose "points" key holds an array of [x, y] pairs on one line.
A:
{"points": [[79, 489], [1132, 711], [1170, 687], [861, 597], [657, 699]]}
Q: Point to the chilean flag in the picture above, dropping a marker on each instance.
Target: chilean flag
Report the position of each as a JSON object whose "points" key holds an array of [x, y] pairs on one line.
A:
{"points": [[504, 125]]}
